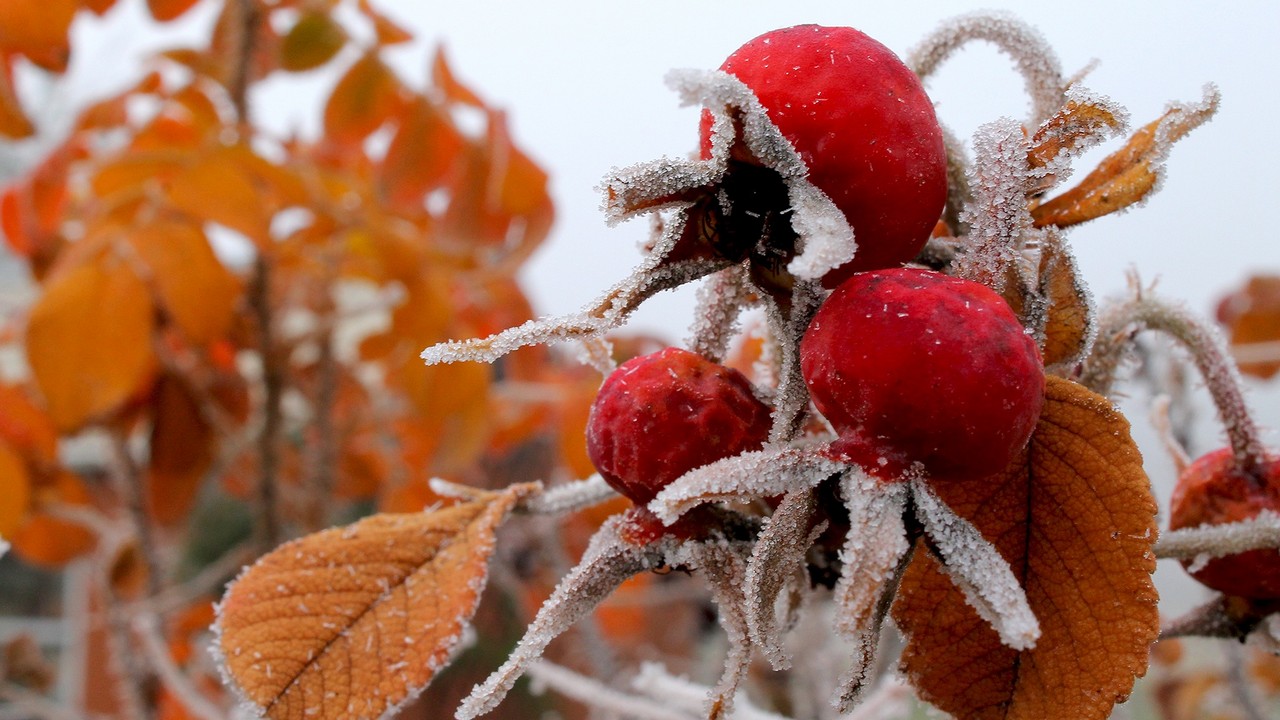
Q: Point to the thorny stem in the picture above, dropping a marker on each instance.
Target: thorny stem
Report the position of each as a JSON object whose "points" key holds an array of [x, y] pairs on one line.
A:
{"points": [[146, 628], [242, 57], [1222, 617], [1123, 321], [325, 450], [269, 531], [128, 483]]}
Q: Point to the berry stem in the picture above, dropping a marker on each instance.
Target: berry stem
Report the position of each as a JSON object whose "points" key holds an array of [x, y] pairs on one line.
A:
{"points": [[1120, 325]]}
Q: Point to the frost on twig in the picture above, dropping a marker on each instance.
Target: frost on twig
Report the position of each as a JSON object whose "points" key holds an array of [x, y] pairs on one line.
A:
{"points": [[654, 681], [872, 558], [1031, 53], [595, 694], [721, 300], [777, 565], [1119, 325], [759, 473], [1211, 541], [607, 563], [977, 569], [569, 497]]}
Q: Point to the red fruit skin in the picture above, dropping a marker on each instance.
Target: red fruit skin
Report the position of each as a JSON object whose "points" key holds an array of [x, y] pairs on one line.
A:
{"points": [[659, 416], [915, 366], [1213, 491], [862, 123]]}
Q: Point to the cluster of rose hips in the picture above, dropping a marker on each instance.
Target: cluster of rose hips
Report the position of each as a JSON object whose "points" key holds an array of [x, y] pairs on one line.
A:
{"points": [[912, 368]]}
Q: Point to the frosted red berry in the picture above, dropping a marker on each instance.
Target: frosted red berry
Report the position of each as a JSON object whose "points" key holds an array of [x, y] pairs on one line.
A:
{"points": [[915, 366], [1214, 490], [659, 416], [863, 125]]}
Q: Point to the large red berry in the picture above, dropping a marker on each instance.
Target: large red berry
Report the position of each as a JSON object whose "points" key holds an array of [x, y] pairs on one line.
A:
{"points": [[864, 127], [1214, 490], [915, 366], [659, 416]]}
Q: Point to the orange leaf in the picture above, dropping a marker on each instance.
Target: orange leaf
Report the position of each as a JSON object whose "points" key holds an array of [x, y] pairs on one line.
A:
{"points": [[89, 341], [25, 427], [181, 451], [1128, 175], [51, 541], [1070, 311], [1252, 318], [351, 621], [1076, 521], [1071, 127], [220, 187], [15, 490], [311, 42], [14, 123], [422, 155], [442, 77], [387, 31], [193, 286], [366, 97], [98, 7], [38, 29], [166, 10]]}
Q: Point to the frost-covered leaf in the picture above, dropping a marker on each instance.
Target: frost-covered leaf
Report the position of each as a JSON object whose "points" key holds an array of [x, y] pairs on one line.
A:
{"points": [[870, 557], [1129, 175], [1070, 322], [1031, 53], [352, 622], [606, 564], [1075, 520], [976, 567], [750, 475]]}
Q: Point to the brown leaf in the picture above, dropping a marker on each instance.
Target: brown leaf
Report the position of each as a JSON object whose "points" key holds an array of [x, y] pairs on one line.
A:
{"points": [[1070, 311], [1076, 521], [1128, 175], [181, 451], [15, 490], [311, 42], [89, 340], [351, 621], [366, 97], [1252, 318], [192, 285]]}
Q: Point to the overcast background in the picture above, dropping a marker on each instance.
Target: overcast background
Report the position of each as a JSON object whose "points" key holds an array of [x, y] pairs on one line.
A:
{"points": [[583, 82]]}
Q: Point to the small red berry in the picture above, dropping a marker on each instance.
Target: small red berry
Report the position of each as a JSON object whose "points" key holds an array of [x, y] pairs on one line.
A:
{"points": [[915, 366], [863, 125], [1212, 491], [659, 416]]}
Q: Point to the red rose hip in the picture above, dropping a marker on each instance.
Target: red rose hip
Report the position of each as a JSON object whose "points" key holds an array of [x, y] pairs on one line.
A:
{"points": [[1213, 490], [659, 416], [915, 366], [864, 127]]}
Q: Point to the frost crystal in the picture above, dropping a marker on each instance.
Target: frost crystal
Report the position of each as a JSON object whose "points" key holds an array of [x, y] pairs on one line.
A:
{"points": [[725, 567], [761, 473], [569, 497], [1031, 53], [606, 564], [776, 571], [998, 217], [978, 569]]}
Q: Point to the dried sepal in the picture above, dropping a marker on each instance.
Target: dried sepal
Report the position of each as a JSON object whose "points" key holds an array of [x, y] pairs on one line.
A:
{"points": [[607, 563], [721, 300], [998, 219], [724, 564], [776, 571], [1084, 120], [1129, 175], [1031, 53], [787, 326], [1070, 321], [761, 473], [569, 497], [978, 569], [871, 558]]}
